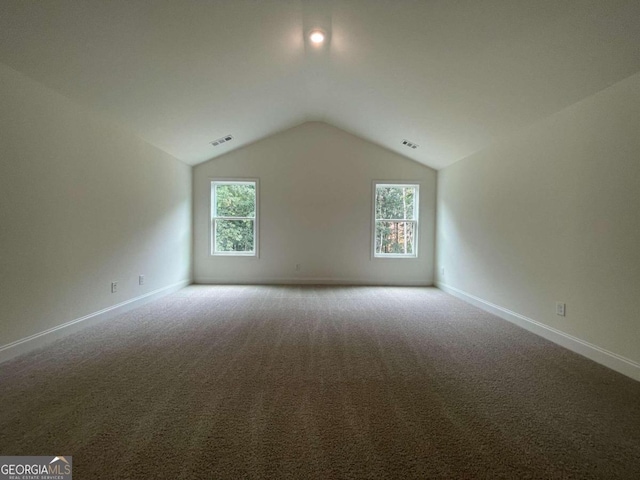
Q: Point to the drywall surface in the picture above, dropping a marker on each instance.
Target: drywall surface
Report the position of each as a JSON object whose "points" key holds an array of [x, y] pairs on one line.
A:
{"points": [[82, 203], [554, 215], [315, 211]]}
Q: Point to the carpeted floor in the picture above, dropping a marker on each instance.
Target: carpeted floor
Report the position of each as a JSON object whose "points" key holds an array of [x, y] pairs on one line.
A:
{"points": [[318, 382]]}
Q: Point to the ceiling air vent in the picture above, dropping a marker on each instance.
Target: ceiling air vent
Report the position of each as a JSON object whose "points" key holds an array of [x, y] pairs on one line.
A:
{"points": [[221, 140], [410, 144]]}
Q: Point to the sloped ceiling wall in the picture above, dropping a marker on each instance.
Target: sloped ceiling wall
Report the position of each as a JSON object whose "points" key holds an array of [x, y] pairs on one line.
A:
{"points": [[453, 77]]}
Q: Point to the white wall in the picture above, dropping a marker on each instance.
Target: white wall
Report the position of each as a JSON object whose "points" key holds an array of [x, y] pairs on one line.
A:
{"points": [[82, 203], [554, 215], [315, 210]]}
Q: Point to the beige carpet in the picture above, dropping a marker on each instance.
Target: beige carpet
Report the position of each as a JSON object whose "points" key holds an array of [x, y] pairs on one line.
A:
{"points": [[318, 382]]}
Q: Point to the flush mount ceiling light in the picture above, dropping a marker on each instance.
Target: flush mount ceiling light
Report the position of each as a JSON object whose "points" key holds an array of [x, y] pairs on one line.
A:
{"points": [[316, 37]]}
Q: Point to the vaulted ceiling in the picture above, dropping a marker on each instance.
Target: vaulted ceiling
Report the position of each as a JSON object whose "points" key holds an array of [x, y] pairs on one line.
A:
{"points": [[453, 76]]}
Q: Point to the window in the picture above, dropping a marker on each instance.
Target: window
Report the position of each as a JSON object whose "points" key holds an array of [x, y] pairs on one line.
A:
{"points": [[234, 218], [395, 220]]}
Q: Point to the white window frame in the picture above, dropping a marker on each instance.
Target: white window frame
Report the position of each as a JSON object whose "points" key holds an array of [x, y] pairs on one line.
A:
{"points": [[212, 219], [415, 221]]}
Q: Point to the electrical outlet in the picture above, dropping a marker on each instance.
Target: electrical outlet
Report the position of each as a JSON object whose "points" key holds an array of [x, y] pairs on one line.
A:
{"points": [[561, 309], [442, 271], [114, 287], [141, 280], [297, 267]]}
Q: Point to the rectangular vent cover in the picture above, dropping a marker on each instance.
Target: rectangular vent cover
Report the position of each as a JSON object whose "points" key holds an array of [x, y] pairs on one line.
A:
{"points": [[221, 140], [410, 144]]}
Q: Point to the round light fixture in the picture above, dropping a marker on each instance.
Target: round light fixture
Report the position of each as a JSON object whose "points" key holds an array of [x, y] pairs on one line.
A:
{"points": [[316, 37]]}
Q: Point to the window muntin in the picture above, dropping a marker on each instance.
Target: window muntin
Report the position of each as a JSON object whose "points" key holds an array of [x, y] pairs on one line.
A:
{"points": [[234, 218], [396, 220]]}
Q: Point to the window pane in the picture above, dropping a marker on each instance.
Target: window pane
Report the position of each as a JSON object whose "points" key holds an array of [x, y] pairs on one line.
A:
{"points": [[234, 235], [395, 238], [395, 202], [235, 200]]}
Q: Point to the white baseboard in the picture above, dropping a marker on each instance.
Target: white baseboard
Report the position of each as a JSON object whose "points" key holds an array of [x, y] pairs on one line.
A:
{"points": [[310, 281], [593, 352], [32, 342]]}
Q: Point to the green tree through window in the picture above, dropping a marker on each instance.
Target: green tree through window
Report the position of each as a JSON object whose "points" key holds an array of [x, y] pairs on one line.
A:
{"points": [[396, 220], [233, 207]]}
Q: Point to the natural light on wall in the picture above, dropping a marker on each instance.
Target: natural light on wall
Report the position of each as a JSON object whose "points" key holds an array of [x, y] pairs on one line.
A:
{"points": [[396, 220]]}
